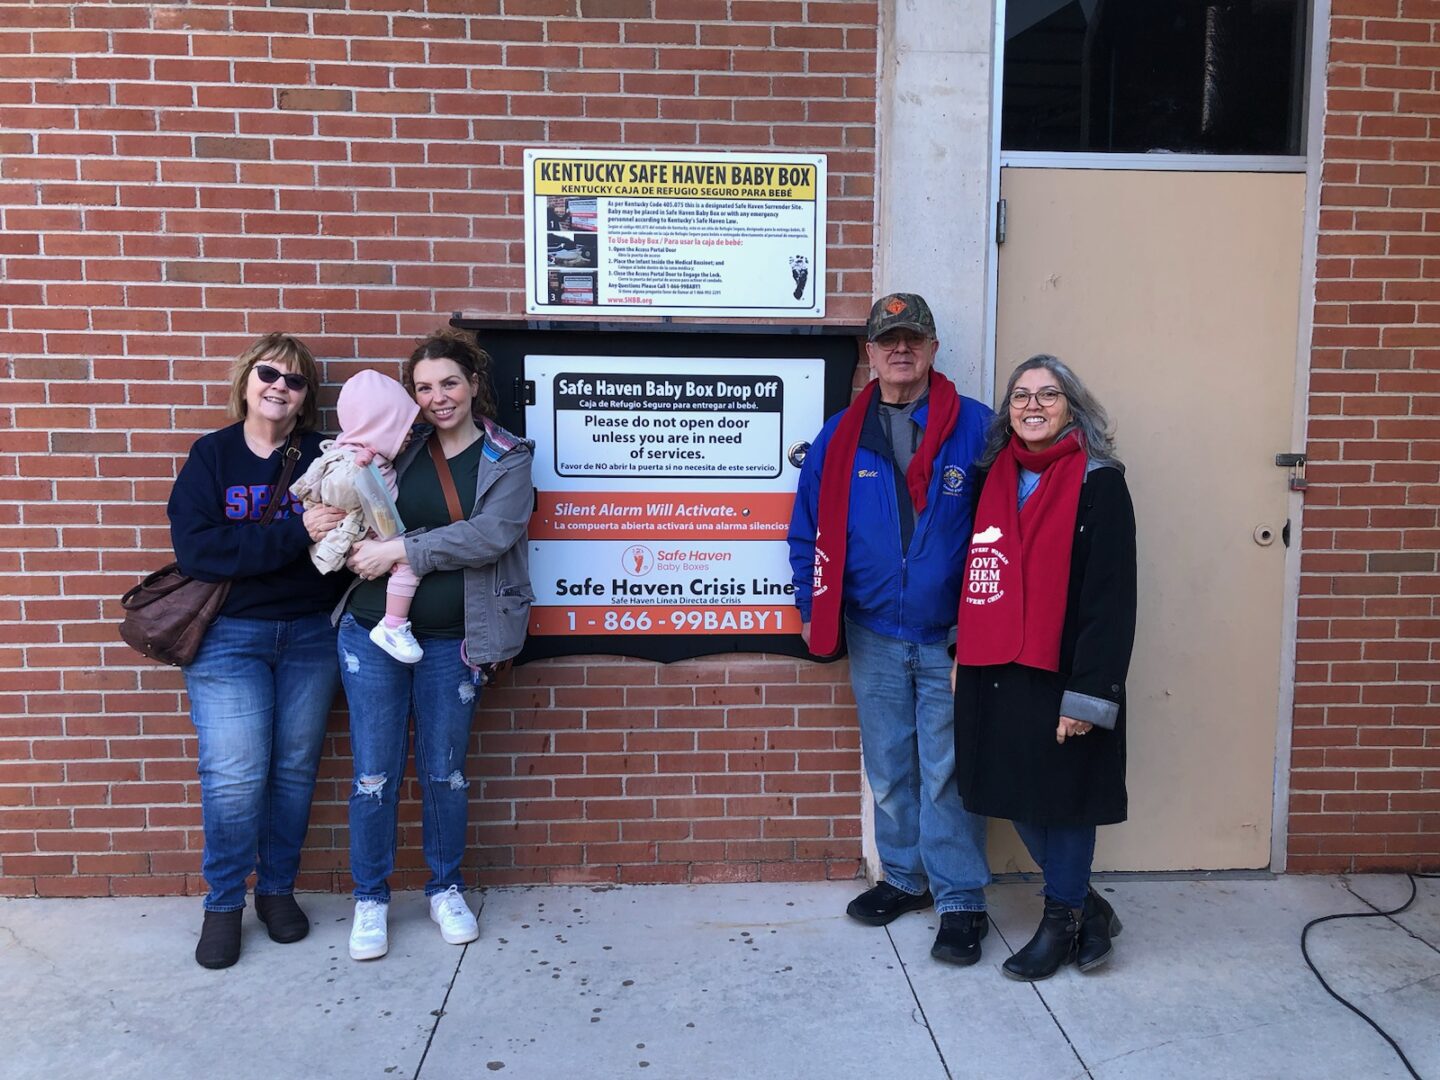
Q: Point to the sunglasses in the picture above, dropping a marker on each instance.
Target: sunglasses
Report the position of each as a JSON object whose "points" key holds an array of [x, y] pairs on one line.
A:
{"points": [[269, 374]]}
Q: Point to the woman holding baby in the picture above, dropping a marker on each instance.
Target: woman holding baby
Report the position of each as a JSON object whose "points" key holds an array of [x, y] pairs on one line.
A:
{"points": [[265, 677], [415, 653], [464, 495]]}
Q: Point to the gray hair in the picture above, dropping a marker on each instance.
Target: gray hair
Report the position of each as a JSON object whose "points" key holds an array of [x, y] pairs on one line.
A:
{"points": [[1086, 414]]}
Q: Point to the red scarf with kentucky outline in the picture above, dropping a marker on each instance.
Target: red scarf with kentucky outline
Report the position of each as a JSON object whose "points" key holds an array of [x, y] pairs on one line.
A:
{"points": [[1017, 574], [834, 512]]}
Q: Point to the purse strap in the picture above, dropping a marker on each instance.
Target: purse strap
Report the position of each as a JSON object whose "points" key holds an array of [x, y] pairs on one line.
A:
{"points": [[292, 456], [447, 482], [483, 674]]}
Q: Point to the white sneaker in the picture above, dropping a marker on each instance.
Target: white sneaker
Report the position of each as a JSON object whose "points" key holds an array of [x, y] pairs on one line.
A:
{"points": [[369, 938], [457, 924], [398, 641]]}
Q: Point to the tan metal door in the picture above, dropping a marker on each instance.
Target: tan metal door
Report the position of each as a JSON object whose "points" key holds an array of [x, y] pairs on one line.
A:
{"points": [[1175, 297]]}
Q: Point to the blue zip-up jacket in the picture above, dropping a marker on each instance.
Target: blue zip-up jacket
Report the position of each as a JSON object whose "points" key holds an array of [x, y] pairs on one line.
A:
{"points": [[910, 594]]}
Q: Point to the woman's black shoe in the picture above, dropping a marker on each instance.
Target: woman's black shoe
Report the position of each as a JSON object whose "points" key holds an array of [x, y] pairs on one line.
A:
{"points": [[1052, 945], [282, 917], [1098, 924], [219, 945]]}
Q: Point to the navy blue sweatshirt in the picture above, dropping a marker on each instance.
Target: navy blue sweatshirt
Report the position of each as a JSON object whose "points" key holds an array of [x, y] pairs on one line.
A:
{"points": [[215, 509]]}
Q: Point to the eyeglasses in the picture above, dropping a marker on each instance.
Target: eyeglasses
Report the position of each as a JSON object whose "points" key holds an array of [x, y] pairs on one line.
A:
{"points": [[1045, 397], [293, 381], [892, 339]]}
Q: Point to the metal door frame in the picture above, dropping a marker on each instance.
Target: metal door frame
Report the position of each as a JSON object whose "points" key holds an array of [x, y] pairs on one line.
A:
{"points": [[1313, 124]]}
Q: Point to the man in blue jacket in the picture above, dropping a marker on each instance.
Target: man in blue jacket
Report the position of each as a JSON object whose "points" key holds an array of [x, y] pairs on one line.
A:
{"points": [[881, 524]]}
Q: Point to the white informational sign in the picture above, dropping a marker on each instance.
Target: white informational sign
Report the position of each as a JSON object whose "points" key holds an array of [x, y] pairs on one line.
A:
{"points": [[664, 490], [630, 232]]}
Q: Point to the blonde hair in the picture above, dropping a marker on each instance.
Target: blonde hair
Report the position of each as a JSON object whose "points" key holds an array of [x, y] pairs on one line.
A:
{"points": [[296, 356]]}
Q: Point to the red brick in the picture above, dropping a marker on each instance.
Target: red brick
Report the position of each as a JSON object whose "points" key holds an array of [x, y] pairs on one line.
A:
{"points": [[391, 215]]}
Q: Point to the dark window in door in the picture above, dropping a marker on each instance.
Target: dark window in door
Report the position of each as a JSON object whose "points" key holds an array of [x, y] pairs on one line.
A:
{"points": [[1143, 76]]}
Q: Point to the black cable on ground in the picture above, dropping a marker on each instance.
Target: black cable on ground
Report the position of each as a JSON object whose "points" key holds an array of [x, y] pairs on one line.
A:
{"points": [[1305, 952]]}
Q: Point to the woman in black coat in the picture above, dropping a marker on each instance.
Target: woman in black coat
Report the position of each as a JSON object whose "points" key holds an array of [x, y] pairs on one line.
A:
{"points": [[1046, 626]]}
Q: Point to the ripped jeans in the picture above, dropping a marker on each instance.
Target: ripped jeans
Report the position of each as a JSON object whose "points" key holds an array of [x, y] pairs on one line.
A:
{"points": [[385, 696]]}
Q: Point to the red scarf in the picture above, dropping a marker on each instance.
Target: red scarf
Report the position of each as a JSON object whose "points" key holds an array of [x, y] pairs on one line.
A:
{"points": [[1017, 574], [834, 516]]}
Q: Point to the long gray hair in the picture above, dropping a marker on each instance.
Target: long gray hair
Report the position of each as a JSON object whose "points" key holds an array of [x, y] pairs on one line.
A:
{"points": [[1086, 414]]}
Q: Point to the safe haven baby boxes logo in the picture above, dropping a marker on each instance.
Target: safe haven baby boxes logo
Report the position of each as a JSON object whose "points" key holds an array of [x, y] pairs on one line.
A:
{"points": [[982, 570]]}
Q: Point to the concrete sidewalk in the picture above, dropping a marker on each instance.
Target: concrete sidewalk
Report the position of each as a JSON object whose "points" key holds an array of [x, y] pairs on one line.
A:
{"points": [[727, 981]]}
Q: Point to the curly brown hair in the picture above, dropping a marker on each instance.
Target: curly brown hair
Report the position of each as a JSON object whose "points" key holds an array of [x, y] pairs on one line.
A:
{"points": [[458, 346]]}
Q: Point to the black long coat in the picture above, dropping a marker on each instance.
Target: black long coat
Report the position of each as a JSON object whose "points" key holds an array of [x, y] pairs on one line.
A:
{"points": [[1007, 762]]}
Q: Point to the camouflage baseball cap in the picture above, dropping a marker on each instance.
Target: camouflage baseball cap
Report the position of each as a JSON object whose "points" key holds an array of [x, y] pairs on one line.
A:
{"points": [[903, 311]]}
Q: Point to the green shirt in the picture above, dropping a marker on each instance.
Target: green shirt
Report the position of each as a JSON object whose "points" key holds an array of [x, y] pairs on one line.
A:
{"points": [[438, 609]]}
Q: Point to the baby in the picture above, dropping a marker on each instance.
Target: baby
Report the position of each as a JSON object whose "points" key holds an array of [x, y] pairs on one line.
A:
{"points": [[375, 416]]}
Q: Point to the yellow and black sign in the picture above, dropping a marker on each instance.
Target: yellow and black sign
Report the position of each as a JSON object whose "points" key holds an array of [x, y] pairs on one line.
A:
{"points": [[675, 232], [651, 179]]}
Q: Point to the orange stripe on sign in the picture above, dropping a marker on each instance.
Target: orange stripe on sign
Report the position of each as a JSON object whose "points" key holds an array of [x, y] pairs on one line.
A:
{"points": [[700, 619], [628, 515]]}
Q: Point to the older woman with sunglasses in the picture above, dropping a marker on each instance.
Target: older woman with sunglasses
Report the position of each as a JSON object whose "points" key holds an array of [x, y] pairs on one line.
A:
{"points": [[1046, 626], [265, 676]]}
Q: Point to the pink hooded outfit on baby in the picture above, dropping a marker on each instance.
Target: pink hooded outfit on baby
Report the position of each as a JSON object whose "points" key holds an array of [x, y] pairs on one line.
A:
{"points": [[375, 413]]}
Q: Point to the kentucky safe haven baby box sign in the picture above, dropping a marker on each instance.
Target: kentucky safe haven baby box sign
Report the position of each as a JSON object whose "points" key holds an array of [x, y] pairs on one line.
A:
{"points": [[626, 232]]}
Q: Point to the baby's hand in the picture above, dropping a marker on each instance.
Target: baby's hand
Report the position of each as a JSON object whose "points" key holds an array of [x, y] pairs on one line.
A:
{"points": [[364, 456]]}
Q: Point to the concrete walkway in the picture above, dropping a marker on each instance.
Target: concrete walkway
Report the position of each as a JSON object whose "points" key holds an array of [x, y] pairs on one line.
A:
{"points": [[729, 982]]}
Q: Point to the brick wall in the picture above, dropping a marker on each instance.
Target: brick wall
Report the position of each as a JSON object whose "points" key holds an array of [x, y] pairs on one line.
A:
{"points": [[1366, 763], [176, 180]]}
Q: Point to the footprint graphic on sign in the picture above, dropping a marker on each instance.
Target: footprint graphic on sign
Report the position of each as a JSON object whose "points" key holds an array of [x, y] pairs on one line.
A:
{"points": [[800, 271], [637, 560]]}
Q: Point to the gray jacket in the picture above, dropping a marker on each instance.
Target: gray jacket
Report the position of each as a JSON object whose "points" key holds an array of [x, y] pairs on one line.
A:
{"points": [[490, 546]]}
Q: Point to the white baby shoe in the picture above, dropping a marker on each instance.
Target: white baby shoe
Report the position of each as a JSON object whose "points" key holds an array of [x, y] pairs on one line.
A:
{"points": [[398, 641]]}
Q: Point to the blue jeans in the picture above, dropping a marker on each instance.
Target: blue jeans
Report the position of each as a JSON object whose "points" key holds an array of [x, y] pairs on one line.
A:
{"points": [[1064, 855], [439, 694], [259, 693], [907, 734]]}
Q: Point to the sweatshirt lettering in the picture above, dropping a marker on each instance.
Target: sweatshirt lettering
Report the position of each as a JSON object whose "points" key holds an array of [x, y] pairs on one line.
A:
{"points": [[248, 502]]}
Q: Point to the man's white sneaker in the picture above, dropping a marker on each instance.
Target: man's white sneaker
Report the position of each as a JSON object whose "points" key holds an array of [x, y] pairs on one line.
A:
{"points": [[369, 938], [457, 924], [398, 641]]}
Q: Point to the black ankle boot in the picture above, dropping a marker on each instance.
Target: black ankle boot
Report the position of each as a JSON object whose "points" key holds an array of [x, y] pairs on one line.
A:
{"points": [[1098, 924], [282, 917], [1052, 945], [219, 945]]}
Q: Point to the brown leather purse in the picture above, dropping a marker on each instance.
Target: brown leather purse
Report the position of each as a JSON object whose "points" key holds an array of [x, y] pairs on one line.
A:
{"points": [[168, 612]]}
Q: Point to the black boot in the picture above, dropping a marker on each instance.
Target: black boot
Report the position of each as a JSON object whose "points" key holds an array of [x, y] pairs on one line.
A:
{"points": [[219, 945], [1052, 945], [282, 917], [1098, 924]]}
